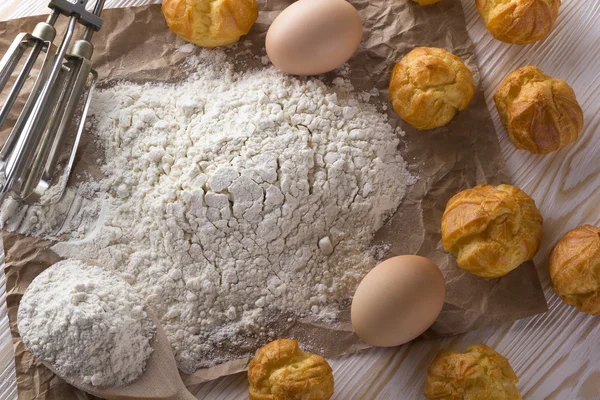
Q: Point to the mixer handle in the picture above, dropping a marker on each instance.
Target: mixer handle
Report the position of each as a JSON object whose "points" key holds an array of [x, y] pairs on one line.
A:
{"points": [[89, 19]]}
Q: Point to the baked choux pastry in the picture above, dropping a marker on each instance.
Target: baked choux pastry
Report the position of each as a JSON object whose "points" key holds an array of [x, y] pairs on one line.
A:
{"points": [[519, 21], [429, 85], [281, 371], [491, 230], [540, 113], [210, 23], [575, 269], [480, 373]]}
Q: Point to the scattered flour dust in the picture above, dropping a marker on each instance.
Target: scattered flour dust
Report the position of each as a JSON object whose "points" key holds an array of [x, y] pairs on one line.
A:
{"points": [[86, 323], [237, 201]]}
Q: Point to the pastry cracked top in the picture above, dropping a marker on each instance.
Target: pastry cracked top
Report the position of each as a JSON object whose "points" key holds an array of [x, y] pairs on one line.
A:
{"points": [[210, 23], [540, 113], [491, 230], [428, 87], [519, 21], [480, 373], [575, 268], [281, 371]]}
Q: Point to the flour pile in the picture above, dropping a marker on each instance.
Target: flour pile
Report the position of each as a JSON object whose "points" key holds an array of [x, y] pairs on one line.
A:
{"points": [[238, 199], [86, 323]]}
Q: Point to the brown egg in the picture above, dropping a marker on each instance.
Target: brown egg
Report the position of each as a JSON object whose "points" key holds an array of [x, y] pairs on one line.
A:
{"points": [[398, 300], [312, 37]]}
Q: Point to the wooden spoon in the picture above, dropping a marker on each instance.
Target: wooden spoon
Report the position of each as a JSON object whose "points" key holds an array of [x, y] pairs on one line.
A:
{"points": [[160, 380]]}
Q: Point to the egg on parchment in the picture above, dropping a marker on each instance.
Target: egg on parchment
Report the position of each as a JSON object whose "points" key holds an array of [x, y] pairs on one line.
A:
{"points": [[398, 300], [312, 37]]}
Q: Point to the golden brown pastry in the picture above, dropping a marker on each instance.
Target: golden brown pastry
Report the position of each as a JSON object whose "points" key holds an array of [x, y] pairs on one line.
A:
{"points": [[429, 85], [210, 23], [426, 2], [480, 373], [540, 113], [281, 371], [575, 268], [519, 21], [491, 230]]}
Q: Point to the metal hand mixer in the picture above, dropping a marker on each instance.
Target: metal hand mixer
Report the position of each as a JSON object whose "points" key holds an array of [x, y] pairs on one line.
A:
{"points": [[30, 155]]}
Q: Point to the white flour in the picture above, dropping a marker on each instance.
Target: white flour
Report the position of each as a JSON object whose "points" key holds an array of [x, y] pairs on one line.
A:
{"points": [[86, 323], [239, 201]]}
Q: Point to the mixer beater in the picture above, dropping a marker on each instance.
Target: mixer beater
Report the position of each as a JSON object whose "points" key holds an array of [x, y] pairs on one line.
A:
{"points": [[30, 155]]}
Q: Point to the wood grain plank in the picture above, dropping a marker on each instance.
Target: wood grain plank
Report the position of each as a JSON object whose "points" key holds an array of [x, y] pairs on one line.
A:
{"points": [[554, 353]]}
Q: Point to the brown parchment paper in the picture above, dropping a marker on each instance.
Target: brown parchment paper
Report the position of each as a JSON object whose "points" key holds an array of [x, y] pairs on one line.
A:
{"points": [[135, 44]]}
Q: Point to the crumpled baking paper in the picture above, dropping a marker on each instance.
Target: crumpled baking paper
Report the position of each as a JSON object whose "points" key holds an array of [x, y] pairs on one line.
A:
{"points": [[135, 44]]}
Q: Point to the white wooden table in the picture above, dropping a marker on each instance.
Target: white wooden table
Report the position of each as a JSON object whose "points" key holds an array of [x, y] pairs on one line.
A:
{"points": [[553, 354]]}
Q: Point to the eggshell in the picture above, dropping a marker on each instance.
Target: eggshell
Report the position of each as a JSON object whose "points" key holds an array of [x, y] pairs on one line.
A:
{"points": [[312, 37], [398, 300]]}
